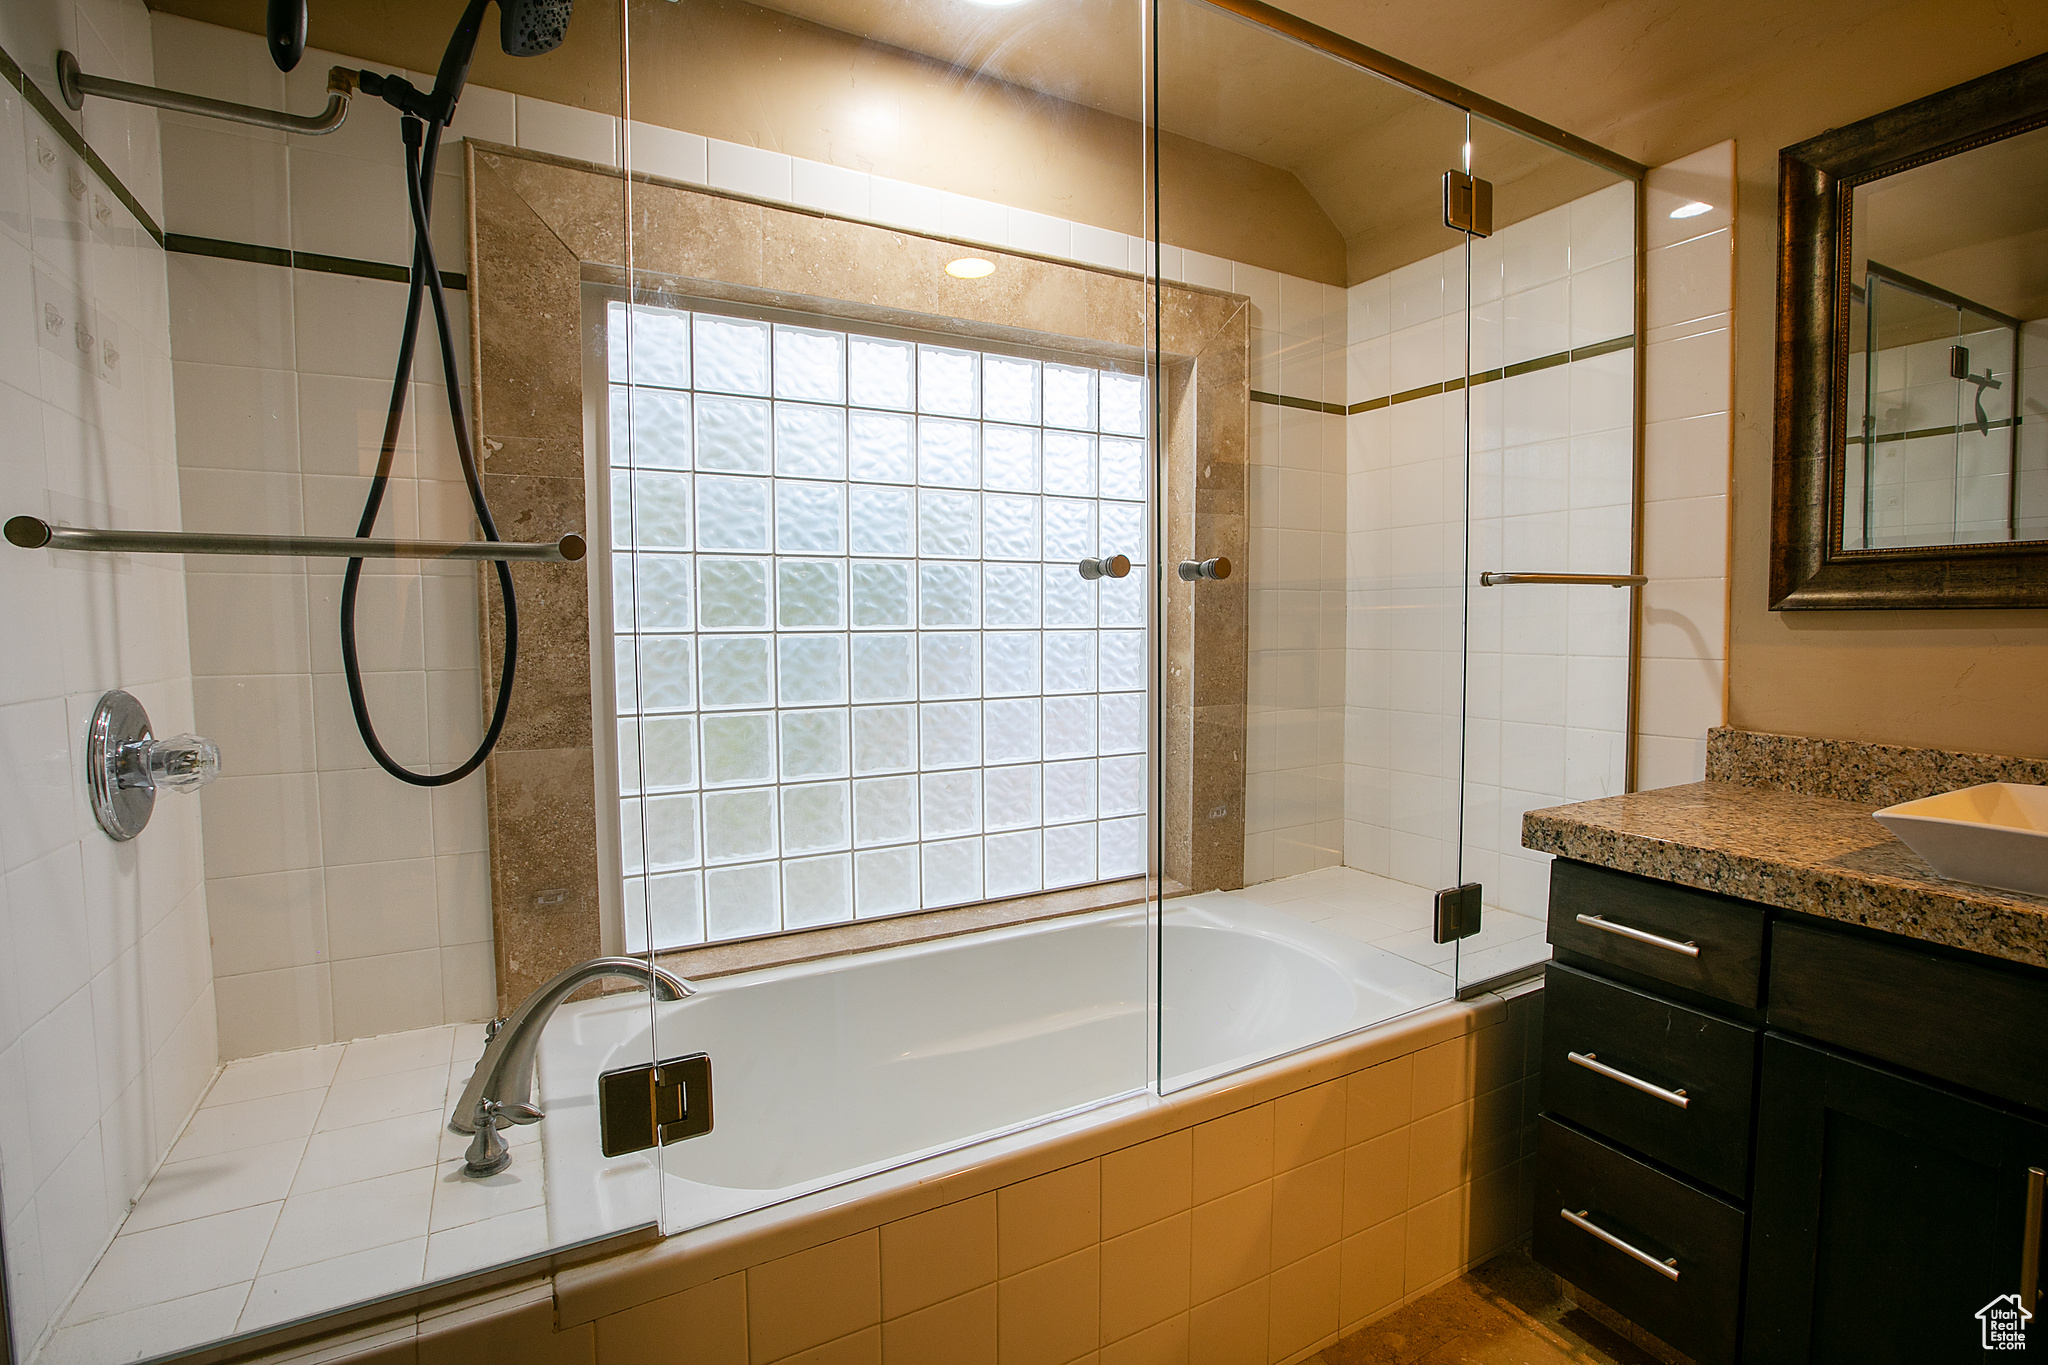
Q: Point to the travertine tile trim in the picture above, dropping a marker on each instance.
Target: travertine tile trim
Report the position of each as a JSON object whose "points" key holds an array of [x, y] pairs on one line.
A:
{"points": [[541, 226]]}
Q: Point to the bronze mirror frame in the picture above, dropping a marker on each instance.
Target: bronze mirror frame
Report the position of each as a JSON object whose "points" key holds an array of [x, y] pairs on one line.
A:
{"points": [[1816, 181]]}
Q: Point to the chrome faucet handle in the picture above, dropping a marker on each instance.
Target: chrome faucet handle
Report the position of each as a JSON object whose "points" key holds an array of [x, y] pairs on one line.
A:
{"points": [[488, 1154]]}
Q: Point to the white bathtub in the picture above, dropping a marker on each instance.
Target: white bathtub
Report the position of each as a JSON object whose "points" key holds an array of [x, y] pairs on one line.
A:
{"points": [[826, 1071]]}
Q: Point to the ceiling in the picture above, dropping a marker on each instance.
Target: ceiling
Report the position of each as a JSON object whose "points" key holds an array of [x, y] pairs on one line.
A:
{"points": [[1370, 152]]}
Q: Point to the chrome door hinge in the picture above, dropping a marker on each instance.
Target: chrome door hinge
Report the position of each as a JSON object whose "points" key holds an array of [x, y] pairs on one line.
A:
{"points": [[639, 1107], [1457, 912], [1468, 204]]}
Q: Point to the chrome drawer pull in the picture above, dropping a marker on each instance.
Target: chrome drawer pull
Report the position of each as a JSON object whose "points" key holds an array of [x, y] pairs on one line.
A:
{"points": [[1640, 936], [1600, 1068], [1667, 1268]]}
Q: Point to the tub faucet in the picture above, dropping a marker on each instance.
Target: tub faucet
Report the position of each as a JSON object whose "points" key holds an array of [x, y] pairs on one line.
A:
{"points": [[500, 1090]]}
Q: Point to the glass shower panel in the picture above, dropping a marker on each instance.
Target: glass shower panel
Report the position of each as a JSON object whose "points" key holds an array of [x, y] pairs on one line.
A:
{"points": [[322, 944], [1552, 493], [1322, 754], [878, 649]]}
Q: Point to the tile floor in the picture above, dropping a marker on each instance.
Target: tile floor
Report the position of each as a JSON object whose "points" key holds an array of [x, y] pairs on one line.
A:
{"points": [[321, 1177], [1399, 917], [1509, 1311], [306, 1180]]}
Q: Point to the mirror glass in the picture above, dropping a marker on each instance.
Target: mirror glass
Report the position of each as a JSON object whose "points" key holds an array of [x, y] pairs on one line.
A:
{"points": [[1946, 430]]}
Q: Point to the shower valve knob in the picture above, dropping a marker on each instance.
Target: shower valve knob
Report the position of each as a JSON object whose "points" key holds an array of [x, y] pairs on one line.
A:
{"points": [[125, 765], [1196, 570]]}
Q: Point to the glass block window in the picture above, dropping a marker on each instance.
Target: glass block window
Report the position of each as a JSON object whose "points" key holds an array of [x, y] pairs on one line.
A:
{"points": [[858, 672]]}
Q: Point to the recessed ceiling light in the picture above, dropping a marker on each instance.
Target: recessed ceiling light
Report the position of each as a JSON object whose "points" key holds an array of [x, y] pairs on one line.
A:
{"points": [[1692, 210], [970, 268]]}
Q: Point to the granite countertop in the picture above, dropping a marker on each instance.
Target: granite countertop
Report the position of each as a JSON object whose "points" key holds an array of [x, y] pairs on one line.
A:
{"points": [[1815, 854]]}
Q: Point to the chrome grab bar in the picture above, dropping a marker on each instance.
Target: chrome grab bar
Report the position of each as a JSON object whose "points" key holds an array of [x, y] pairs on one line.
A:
{"points": [[1592, 1063], [1493, 578], [1689, 948], [33, 533], [75, 85], [1668, 1267], [1109, 566]]}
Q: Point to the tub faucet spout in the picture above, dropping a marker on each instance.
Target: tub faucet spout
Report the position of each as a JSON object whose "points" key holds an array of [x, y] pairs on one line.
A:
{"points": [[501, 1087]]}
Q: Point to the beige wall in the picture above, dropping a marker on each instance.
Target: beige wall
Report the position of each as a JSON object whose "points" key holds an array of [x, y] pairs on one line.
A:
{"points": [[1656, 81]]}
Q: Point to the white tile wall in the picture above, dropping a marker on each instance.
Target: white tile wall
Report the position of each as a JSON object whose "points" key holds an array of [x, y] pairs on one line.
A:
{"points": [[352, 904], [1690, 396], [106, 1007]]}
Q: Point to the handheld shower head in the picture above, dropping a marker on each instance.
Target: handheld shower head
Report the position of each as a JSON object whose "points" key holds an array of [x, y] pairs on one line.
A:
{"points": [[527, 28]]}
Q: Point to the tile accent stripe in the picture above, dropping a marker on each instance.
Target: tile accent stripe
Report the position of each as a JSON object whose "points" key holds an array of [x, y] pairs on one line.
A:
{"points": [[61, 126], [1309, 404], [1544, 362], [301, 260]]}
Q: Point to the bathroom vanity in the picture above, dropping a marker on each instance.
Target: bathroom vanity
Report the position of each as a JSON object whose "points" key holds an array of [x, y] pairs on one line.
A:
{"points": [[1794, 1086]]}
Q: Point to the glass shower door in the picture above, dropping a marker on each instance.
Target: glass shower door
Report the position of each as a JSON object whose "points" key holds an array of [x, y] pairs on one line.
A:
{"points": [[1552, 564], [1312, 721], [878, 624]]}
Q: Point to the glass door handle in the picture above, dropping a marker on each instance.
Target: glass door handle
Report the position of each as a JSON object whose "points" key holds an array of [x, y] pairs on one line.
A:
{"points": [[1109, 566], [1195, 570], [1493, 578]]}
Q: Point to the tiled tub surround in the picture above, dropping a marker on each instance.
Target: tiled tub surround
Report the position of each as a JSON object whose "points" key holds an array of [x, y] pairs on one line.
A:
{"points": [[306, 1181], [1250, 1220], [1749, 833], [313, 1179], [106, 999]]}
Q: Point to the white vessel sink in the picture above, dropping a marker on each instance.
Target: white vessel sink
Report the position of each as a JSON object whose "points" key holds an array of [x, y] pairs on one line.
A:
{"points": [[1991, 835]]}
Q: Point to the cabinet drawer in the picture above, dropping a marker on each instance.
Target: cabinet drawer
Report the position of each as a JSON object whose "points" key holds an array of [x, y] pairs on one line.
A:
{"points": [[1691, 939], [1983, 1027], [1603, 1043], [1658, 1251]]}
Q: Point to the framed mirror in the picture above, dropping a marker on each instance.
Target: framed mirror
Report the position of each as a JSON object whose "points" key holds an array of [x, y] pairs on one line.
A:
{"points": [[1911, 450]]}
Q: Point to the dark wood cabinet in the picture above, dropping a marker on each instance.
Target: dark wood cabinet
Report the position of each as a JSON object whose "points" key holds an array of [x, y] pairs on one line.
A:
{"points": [[1887, 1212], [1855, 1172], [1670, 1082]]}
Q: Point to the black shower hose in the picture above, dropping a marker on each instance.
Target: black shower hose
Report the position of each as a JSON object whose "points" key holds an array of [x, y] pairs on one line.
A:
{"points": [[426, 277]]}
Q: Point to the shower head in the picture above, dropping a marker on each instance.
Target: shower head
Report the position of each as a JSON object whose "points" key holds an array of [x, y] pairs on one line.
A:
{"points": [[527, 28]]}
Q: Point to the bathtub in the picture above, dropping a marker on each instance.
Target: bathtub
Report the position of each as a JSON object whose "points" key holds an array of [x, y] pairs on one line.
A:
{"points": [[827, 1071]]}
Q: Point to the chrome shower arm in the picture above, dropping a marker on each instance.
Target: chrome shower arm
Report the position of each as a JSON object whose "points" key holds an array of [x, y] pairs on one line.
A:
{"points": [[76, 85]]}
